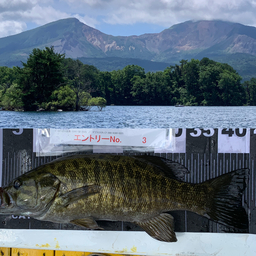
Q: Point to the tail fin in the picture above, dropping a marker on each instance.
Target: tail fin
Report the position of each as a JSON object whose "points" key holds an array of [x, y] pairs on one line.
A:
{"points": [[225, 199]]}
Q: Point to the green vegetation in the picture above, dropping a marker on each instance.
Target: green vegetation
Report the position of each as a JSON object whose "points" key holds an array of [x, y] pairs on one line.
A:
{"points": [[197, 83], [244, 64], [49, 81], [39, 77]]}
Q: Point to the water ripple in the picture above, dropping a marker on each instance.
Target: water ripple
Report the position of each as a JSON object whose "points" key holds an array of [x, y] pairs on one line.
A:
{"points": [[134, 117]]}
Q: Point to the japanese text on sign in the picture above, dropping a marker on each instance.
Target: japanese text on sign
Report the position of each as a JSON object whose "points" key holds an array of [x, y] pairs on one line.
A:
{"points": [[123, 137], [97, 138]]}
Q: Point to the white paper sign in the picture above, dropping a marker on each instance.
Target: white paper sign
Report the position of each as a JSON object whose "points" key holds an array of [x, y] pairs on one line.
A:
{"points": [[234, 140], [110, 137]]}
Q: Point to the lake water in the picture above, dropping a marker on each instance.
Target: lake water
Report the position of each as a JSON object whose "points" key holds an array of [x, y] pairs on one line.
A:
{"points": [[135, 117]]}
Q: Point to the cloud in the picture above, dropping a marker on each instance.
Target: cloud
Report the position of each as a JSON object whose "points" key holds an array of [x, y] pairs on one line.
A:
{"points": [[15, 5], [86, 20], [168, 12], [11, 27], [16, 15]]}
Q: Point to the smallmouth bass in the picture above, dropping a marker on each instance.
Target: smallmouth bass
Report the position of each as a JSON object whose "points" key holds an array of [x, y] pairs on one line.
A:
{"points": [[81, 189]]}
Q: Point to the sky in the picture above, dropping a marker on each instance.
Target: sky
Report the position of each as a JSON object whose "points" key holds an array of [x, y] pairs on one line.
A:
{"points": [[121, 17]]}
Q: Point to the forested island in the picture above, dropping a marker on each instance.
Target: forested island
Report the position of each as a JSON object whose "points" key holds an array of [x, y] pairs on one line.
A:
{"points": [[49, 81]]}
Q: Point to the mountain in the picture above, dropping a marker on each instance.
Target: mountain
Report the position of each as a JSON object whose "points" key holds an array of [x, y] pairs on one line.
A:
{"points": [[219, 40]]}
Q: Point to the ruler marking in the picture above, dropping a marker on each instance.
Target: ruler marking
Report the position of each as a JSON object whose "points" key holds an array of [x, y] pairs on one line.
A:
{"points": [[188, 165], [208, 174], [223, 165], [219, 172], [218, 165], [214, 166], [13, 166], [201, 169], [5, 172], [8, 168], [246, 189], [18, 165], [250, 185], [253, 183], [196, 171], [192, 168], [210, 163], [231, 163], [227, 167]]}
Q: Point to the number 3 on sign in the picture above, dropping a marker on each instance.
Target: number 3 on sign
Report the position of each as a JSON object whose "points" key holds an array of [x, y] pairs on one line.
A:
{"points": [[234, 140], [144, 140]]}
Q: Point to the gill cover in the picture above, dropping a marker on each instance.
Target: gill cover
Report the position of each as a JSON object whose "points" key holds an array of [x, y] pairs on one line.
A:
{"points": [[32, 192]]}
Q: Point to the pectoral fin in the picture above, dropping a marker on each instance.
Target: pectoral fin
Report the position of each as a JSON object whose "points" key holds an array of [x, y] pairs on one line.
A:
{"points": [[78, 193], [160, 227], [88, 222]]}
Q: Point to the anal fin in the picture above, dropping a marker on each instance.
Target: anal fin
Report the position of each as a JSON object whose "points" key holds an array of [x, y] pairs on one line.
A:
{"points": [[160, 227], [88, 222]]}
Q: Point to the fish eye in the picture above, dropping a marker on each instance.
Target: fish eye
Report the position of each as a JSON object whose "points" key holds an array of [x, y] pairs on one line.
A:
{"points": [[16, 184]]}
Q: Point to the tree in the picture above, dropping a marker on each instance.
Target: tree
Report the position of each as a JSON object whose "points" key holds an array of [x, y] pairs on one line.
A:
{"points": [[81, 78], [8, 77], [232, 94], [122, 82], [62, 98], [98, 102], [206, 61], [106, 86], [84, 98], [220, 85], [208, 80], [102, 103], [191, 71], [250, 88], [171, 86], [12, 98], [175, 81], [41, 83], [128, 73], [88, 102], [117, 81], [40, 76], [138, 91]]}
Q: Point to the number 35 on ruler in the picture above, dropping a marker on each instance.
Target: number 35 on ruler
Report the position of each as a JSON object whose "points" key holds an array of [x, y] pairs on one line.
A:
{"points": [[234, 140]]}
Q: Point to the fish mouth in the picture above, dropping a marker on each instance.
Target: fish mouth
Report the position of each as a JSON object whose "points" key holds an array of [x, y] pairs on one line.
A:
{"points": [[5, 200]]}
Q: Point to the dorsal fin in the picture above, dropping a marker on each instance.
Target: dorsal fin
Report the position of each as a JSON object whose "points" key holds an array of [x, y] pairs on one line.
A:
{"points": [[165, 167]]}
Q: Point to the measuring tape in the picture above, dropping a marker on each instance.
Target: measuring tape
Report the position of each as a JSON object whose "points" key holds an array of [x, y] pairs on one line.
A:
{"points": [[230, 140]]}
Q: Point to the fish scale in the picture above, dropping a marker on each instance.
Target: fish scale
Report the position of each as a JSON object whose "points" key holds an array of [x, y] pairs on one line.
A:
{"points": [[84, 188], [128, 199]]}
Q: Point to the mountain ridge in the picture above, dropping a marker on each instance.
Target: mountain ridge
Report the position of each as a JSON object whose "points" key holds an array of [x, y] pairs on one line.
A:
{"points": [[190, 39]]}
